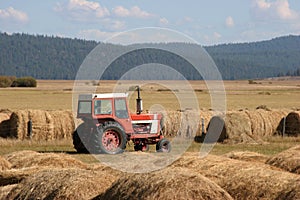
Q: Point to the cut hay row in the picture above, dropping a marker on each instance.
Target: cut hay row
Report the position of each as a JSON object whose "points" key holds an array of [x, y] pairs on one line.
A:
{"points": [[244, 180], [25, 159], [68, 183], [288, 160], [247, 156], [4, 164], [170, 184], [46, 125]]}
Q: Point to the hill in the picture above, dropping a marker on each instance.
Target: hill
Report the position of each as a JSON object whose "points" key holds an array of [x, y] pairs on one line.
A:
{"points": [[45, 57]]}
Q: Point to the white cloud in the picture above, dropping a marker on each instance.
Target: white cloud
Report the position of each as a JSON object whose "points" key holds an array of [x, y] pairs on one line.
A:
{"points": [[134, 11], [97, 35], [163, 21], [229, 21], [278, 9], [12, 15], [82, 10]]}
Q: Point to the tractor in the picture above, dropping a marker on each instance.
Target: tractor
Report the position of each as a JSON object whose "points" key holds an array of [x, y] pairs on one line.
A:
{"points": [[108, 125]]}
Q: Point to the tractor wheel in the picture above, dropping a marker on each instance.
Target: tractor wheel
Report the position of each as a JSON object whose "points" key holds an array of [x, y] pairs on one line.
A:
{"points": [[163, 145], [80, 135], [110, 139]]}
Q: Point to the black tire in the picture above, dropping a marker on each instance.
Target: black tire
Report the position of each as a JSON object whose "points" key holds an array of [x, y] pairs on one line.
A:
{"points": [[80, 135], [163, 145], [109, 138], [140, 147]]}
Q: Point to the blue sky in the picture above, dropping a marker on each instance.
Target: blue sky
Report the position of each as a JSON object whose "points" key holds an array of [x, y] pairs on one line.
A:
{"points": [[208, 22]]}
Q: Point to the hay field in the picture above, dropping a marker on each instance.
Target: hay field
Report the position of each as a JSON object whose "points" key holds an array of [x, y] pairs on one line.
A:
{"points": [[50, 168], [57, 95]]}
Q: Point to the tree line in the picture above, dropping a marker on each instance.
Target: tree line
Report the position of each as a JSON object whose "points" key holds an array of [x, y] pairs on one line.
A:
{"points": [[49, 57]]}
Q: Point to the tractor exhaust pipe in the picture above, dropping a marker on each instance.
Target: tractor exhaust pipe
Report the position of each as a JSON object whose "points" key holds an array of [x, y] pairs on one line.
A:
{"points": [[139, 102]]}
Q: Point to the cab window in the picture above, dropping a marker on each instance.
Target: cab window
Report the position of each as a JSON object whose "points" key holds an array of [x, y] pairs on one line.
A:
{"points": [[121, 109], [84, 107], [102, 107]]}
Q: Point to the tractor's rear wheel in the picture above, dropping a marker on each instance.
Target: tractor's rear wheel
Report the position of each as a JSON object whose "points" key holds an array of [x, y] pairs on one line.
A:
{"points": [[110, 139], [163, 145]]}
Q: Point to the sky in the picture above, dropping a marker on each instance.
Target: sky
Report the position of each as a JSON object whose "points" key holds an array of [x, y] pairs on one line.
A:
{"points": [[208, 22]]}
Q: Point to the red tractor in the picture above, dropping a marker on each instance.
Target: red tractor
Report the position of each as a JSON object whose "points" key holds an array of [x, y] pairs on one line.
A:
{"points": [[108, 125]]}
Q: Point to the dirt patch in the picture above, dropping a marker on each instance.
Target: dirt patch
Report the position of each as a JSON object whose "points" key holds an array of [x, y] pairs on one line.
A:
{"points": [[174, 183], [288, 160]]}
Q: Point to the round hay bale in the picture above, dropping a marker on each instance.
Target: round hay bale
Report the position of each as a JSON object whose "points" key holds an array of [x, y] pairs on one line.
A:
{"points": [[244, 180], [63, 184], [247, 156], [63, 123], [216, 127], [288, 160], [292, 124], [172, 123], [236, 127], [46, 125], [4, 122], [23, 159], [4, 164], [173, 183]]}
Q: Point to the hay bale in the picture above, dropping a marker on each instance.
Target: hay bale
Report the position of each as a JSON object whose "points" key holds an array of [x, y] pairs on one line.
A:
{"points": [[14, 176], [247, 156], [5, 190], [288, 160], [63, 184], [46, 125], [292, 124], [244, 180], [236, 127], [4, 164], [4, 122], [23, 159], [176, 183]]}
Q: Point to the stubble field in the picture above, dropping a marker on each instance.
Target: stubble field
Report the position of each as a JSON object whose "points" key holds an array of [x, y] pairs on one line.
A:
{"points": [[263, 169]]}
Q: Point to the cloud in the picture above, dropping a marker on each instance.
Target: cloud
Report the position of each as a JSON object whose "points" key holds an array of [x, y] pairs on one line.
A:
{"points": [[12, 15], [97, 35], [163, 21], [82, 10], [229, 21], [278, 9], [134, 11]]}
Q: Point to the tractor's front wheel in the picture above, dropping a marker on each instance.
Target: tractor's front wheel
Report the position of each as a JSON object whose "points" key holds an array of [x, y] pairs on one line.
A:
{"points": [[163, 145], [110, 139]]}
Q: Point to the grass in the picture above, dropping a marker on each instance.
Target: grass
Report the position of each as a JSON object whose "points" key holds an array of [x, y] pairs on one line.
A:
{"points": [[271, 147], [57, 95]]}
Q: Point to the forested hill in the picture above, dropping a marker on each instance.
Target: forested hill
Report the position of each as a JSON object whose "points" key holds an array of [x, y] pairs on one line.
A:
{"points": [[45, 57]]}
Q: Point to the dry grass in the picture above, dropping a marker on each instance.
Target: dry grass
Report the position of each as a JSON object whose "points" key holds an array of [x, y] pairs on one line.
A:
{"points": [[288, 160], [244, 180], [177, 183]]}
